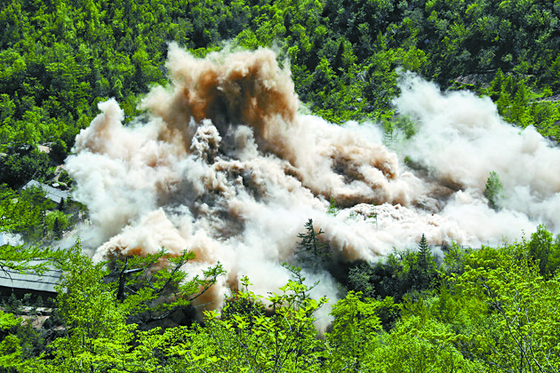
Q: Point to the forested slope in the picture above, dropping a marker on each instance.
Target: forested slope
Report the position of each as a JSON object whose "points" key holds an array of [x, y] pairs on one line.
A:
{"points": [[60, 58], [486, 310]]}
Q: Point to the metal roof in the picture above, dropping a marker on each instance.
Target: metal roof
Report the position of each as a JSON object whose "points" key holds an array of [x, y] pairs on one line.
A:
{"points": [[55, 195], [30, 281]]}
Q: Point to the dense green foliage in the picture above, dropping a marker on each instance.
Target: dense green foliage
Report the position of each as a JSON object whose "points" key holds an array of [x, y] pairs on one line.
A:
{"points": [[488, 310], [59, 58]]}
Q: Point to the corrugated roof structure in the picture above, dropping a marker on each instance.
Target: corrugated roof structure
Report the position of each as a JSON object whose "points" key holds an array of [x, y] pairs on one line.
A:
{"points": [[55, 195], [30, 281]]}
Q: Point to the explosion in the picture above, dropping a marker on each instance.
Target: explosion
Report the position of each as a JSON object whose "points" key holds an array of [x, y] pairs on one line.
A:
{"points": [[228, 167]]}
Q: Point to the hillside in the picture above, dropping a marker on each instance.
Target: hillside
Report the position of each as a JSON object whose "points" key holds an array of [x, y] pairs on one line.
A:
{"points": [[291, 186]]}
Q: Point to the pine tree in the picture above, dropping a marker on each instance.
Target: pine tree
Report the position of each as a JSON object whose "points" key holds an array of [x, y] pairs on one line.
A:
{"points": [[423, 272], [61, 204], [57, 228], [311, 252], [424, 252]]}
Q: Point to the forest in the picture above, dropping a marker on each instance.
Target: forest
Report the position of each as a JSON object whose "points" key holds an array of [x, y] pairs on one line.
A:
{"points": [[426, 306]]}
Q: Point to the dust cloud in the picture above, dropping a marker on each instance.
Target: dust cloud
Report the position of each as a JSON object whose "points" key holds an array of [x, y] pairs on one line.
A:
{"points": [[228, 167]]}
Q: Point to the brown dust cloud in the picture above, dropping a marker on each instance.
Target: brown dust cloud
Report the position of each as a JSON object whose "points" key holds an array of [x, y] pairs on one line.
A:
{"points": [[228, 166]]}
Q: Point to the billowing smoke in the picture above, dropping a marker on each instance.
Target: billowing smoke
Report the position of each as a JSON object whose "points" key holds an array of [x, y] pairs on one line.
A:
{"points": [[226, 166], [461, 140]]}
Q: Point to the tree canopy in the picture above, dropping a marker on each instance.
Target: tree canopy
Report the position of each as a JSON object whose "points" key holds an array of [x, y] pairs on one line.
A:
{"points": [[489, 310]]}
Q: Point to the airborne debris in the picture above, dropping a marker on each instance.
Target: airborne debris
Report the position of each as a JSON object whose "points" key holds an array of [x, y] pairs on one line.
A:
{"points": [[228, 168]]}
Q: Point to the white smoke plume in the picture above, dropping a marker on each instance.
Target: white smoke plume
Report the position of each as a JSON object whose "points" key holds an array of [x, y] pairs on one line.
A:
{"points": [[228, 167]]}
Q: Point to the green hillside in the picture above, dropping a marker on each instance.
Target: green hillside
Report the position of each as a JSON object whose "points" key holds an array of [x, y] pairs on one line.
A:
{"points": [[416, 310], [60, 58]]}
